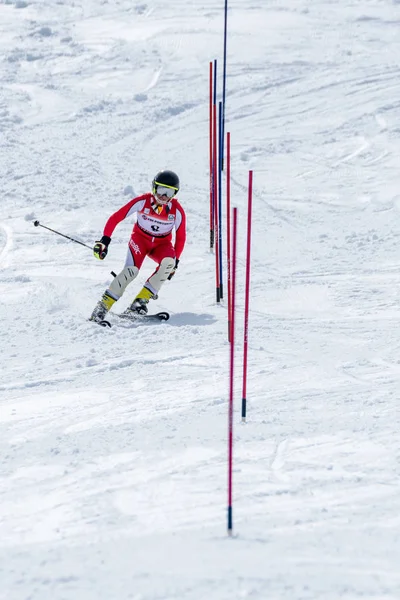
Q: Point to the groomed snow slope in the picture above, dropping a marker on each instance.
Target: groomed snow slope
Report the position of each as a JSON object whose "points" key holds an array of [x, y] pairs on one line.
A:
{"points": [[113, 443]]}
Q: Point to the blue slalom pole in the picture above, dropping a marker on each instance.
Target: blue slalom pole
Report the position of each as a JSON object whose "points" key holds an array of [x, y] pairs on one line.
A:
{"points": [[215, 82], [220, 145], [224, 82]]}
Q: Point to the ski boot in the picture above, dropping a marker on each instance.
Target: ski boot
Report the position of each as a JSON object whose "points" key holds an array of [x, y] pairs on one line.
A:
{"points": [[102, 308], [139, 305]]}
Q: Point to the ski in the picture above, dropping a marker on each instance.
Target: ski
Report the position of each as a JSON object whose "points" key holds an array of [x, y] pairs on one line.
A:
{"points": [[160, 316]]}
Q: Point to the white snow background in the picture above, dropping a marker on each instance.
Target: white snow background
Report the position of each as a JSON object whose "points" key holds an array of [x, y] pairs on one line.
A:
{"points": [[113, 443]]}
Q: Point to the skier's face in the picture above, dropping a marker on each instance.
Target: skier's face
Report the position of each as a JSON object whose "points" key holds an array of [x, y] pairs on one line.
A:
{"points": [[160, 199]]}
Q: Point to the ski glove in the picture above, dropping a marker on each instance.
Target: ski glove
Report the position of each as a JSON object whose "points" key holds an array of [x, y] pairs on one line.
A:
{"points": [[100, 248], [170, 276]]}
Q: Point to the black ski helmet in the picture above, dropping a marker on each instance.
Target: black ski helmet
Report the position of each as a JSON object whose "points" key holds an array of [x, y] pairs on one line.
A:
{"points": [[167, 179]]}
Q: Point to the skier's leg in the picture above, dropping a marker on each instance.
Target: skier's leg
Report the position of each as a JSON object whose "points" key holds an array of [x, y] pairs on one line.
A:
{"points": [[161, 274], [114, 292], [134, 259], [119, 284], [164, 254]]}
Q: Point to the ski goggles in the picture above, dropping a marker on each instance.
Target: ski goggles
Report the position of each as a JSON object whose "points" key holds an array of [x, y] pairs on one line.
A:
{"points": [[161, 190]]}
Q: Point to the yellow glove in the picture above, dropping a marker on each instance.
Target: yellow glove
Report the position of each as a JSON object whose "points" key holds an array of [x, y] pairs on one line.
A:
{"points": [[100, 248]]}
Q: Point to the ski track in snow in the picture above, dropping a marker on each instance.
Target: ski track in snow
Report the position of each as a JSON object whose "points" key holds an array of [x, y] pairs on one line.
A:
{"points": [[113, 443]]}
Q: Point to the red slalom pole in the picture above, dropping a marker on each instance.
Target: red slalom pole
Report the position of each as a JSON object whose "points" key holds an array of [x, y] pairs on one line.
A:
{"points": [[231, 376], [228, 225], [247, 296], [211, 158]]}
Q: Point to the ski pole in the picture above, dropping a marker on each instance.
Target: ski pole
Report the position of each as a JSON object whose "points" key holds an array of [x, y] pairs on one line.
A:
{"points": [[37, 224]]}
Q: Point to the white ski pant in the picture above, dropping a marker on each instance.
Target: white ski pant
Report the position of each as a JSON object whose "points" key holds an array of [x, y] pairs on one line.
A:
{"points": [[130, 272]]}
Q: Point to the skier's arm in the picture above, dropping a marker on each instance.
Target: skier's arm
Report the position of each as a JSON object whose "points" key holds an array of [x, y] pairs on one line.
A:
{"points": [[180, 231], [133, 206]]}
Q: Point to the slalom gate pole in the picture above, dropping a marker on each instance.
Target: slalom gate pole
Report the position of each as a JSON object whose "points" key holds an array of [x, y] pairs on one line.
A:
{"points": [[220, 146], [215, 82], [247, 295], [231, 377], [228, 226], [215, 187], [211, 155], [37, 224], [224, 82], [215, 159]]}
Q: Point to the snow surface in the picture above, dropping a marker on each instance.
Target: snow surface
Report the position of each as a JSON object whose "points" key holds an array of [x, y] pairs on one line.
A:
{"points": [[113, 443]]}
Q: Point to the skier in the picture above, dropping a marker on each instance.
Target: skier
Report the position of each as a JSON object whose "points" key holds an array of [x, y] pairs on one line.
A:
{"points": [[158, 213]]}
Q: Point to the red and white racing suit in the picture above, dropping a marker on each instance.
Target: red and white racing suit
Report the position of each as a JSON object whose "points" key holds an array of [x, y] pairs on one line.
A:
{"points": [[152, 233]]}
